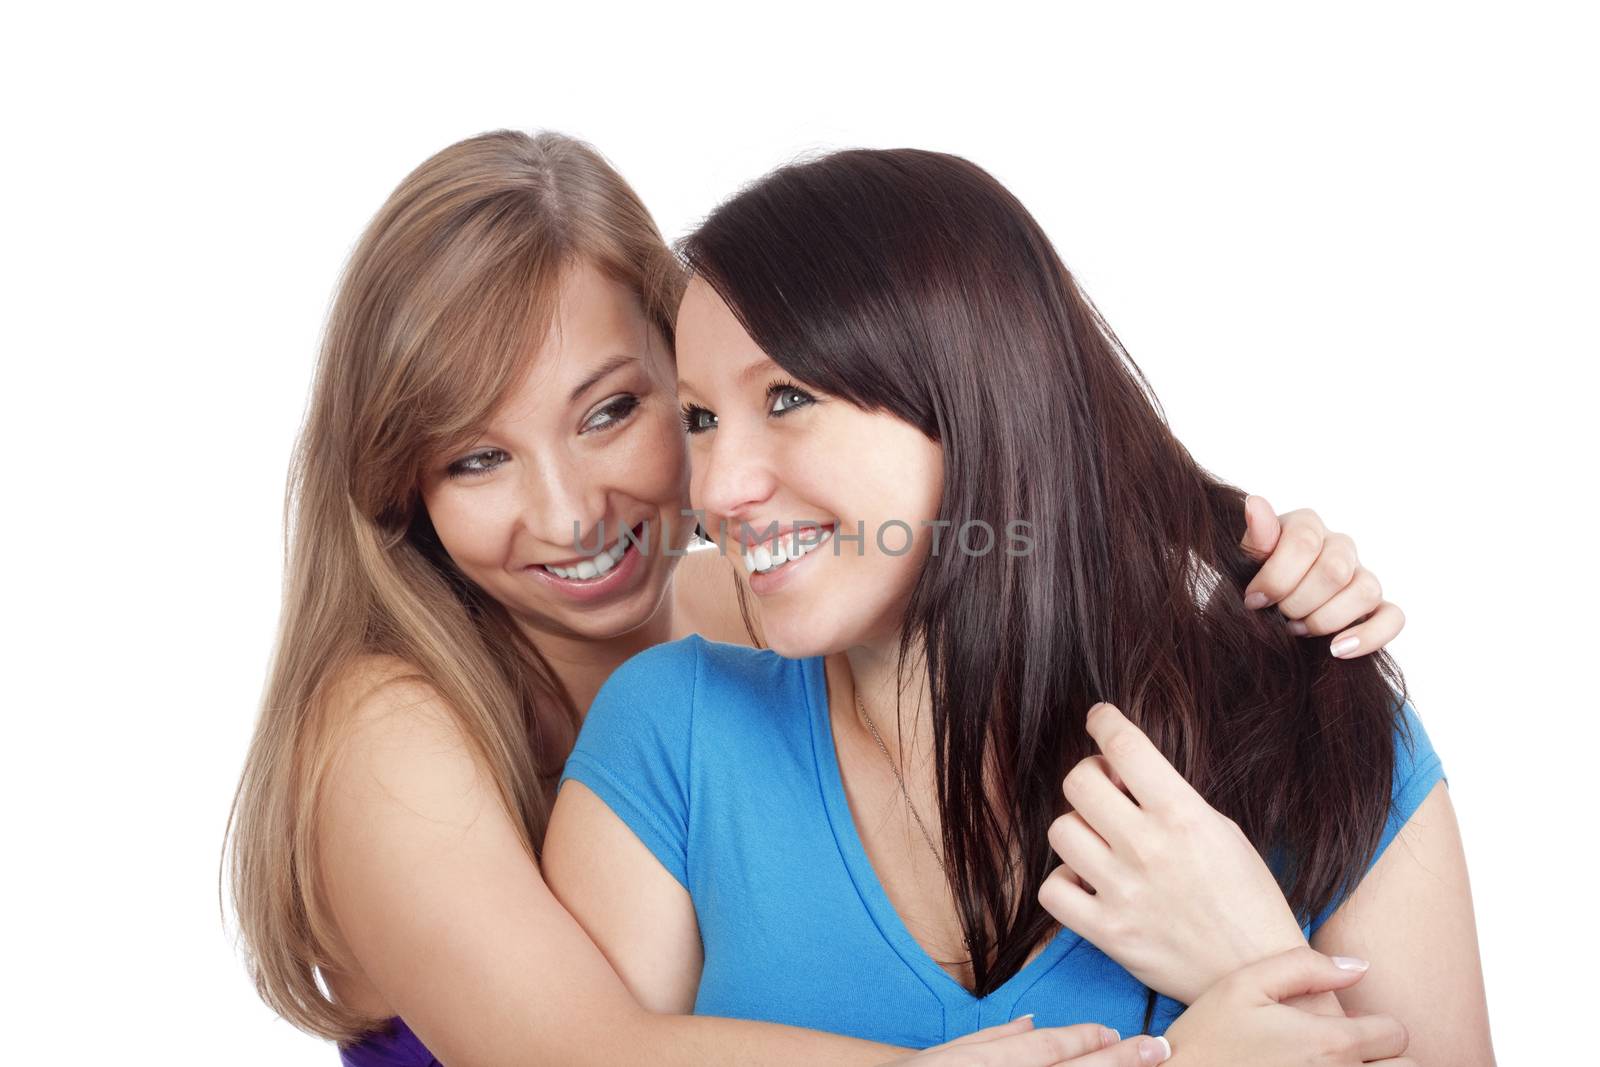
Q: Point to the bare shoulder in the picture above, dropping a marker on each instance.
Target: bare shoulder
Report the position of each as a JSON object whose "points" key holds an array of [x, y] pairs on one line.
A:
{"points": [[436, 907], [375, 693], [391, 741], [386, 724], [705, 600]]}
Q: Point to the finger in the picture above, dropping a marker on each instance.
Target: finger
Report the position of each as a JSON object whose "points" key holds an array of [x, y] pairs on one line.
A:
{"points": [[1151, 780], [1376, 1036], [1083, 850], [1297, 972], [1110, 812], [1261, 528], [1297, 549], [1335, 568], [1371, 635], [1040, 1048], [1358, 599], [1069, 901], [1021, 1024], [1129, 1053]]}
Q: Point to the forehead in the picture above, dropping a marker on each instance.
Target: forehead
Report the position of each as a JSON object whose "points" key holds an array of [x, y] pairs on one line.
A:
{"points": [[713, 347], [593, 311], [597, 323]]}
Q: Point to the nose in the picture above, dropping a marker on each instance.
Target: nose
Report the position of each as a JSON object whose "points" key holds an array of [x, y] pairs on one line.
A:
{"points": [[564, 502], [731, 481]]}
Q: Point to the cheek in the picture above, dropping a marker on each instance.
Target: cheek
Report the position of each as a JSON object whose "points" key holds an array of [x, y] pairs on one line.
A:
{"points": [[474, 527], [903, 483], [656, 466], [898, 479]]}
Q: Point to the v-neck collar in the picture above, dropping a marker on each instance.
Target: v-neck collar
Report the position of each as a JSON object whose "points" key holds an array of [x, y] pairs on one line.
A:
{"points": [[989, 1010]]}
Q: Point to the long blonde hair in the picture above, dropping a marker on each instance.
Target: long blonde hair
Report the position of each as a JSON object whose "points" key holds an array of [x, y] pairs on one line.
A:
{"points": [[449, 289]]}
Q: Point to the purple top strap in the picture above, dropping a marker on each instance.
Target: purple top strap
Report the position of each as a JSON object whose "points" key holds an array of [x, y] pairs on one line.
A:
{"points": [[394, 1046]]}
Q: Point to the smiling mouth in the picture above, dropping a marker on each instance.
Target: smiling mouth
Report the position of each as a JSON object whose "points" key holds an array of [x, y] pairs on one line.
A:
{"points": [[599, 565], [763, 560]]}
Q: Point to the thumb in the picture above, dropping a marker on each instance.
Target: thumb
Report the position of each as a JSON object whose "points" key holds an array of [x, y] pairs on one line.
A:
{"points": [[1261, 528], [1301, 971]]}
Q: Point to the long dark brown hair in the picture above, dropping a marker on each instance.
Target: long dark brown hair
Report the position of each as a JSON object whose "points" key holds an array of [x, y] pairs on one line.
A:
{"points": [[913, 283]]}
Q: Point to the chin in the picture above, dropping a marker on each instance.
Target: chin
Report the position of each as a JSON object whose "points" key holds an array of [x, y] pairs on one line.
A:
{"points": [[802, 638], [605, 621]]}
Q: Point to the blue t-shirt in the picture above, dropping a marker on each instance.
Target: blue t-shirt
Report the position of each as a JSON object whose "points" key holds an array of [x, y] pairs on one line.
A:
{"points": [[721, 760]]}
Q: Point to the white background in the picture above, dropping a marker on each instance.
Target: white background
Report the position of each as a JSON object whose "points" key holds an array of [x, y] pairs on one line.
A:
{"points": [[1353, 246]]}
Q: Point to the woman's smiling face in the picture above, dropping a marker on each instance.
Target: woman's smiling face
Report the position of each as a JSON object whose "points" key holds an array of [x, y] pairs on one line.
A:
{"points": [[776, 463], [588, 445]]}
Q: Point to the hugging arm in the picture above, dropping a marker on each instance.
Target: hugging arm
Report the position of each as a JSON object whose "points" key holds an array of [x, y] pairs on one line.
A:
{"points": [[445, 920], [643, 920]]}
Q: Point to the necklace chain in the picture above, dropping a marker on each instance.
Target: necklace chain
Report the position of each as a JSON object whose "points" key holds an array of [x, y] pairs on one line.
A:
{"points": [[898, 777]]}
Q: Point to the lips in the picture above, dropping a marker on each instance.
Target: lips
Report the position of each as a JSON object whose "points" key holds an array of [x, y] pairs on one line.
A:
{"points": [[788, 546], [598, 565]]}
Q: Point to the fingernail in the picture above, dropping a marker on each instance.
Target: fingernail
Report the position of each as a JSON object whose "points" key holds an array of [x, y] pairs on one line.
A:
{"points": [[1340, 648], [1154, 1050], [1108, 1037], [1256, 600], [1028, 1017], [1298, 628], [1350, 963]]}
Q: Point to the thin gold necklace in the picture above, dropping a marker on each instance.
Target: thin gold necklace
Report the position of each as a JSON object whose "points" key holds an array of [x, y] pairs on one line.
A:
{"points": [[898, 777]]}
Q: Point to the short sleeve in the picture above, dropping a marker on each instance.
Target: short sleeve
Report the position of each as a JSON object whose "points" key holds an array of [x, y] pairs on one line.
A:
{"points": [[633, 751], [1417, 770]]}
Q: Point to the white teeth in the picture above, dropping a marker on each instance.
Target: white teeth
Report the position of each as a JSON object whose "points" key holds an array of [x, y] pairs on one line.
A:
{"points": [[594, 566], [760, 560]]}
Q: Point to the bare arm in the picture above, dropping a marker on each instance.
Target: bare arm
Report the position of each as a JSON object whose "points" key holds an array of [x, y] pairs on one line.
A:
{"points": [[1411, 917], [453, 926], [637, 913]]}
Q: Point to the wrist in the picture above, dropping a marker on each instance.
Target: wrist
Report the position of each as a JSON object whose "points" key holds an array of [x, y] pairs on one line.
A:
{"points": [[1250, 950]]}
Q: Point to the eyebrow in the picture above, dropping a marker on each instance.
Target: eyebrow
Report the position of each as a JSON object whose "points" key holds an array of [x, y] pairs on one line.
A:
{"points": [[756, 365], [611, 365], [746, 372]]}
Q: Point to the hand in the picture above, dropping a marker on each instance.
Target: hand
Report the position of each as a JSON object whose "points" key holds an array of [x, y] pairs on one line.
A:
{"points": [[1316, 580], [1018, 1044], [1154, 876], [1242, 1020]]}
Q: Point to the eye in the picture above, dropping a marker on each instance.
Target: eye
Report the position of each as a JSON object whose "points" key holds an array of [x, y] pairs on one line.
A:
{"points": [[786, 396], [480, 462], [611, 413], [697, 419]]}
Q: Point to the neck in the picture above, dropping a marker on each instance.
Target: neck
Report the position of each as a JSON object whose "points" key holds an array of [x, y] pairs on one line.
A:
{"points": [[582, 664], [897, 702]]}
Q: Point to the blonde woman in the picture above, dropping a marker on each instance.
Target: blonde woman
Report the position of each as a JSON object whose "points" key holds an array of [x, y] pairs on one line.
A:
{"points": [[496, 384]]}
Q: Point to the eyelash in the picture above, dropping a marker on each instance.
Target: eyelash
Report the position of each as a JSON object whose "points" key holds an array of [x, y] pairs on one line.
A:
{"points": [[617, 411], [460, 468], [692, 412]]}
